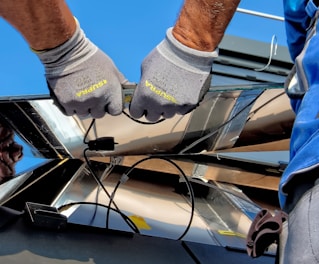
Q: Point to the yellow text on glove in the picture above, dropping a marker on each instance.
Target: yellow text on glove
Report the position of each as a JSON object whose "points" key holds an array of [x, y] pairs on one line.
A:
{"points": [[160, 92], [91, 89]]}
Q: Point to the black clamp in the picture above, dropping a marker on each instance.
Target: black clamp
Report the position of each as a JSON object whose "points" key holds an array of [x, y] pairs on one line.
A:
{"points": [[45, 216]]}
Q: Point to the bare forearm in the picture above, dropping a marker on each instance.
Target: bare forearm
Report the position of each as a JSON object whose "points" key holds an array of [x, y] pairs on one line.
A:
{"points": [[202, 23], [44, 24]]}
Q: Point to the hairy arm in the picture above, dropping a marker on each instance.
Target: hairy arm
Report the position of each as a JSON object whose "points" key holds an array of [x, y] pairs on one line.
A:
{"points": [[44, 24], [202, 23]]}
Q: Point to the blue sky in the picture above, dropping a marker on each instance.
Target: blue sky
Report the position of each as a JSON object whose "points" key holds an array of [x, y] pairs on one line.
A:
{"points": [[126, 31]]}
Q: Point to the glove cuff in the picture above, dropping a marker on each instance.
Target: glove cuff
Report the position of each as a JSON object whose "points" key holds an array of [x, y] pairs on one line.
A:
{"points": [[178, 53], [69, 54]]}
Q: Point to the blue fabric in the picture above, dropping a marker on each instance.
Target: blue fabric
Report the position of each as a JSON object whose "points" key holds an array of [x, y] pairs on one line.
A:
{"points": [[295, 104], [304, 150], [296, 23], [304, 141]]}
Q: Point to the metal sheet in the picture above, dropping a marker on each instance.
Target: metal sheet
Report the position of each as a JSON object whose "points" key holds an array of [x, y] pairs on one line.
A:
{"points": [[52, 135]]}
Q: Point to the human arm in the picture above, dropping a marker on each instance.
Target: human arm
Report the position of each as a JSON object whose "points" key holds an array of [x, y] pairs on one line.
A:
{"points": [[202, 23], [81, 78], [176, 74], [45, 24]]}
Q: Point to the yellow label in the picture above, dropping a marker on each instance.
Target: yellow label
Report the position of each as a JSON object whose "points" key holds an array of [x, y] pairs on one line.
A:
{"points": [[231, 233], [160, 92], [140, 222], [91, 89]]}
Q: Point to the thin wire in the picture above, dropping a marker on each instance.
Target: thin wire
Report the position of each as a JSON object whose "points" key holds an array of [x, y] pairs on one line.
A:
{"points": [[87, 131], [99, 181], [124, 216], [96, 201], [107, 219], [142, 122], [86, 142], [96, 178], [200, 140], [190, 189], [264, 104], [111, 197]]}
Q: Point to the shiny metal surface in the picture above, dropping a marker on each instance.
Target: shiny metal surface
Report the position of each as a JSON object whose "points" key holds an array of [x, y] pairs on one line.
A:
{"points": [[221, 118], [242, 108], [222, 212]]}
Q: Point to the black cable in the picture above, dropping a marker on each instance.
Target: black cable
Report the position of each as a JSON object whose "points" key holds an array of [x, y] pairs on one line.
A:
{"points": [[107, 219], [86, 142], [96, 178], [111, 197], [87, 131], [88, 162], [125, 177], [95, 209], [264, 104], [124, 216], [142, 122], [200, 140]]}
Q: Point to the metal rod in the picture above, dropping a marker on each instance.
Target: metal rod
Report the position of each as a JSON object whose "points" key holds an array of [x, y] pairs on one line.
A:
{"points": [[255, 13]]}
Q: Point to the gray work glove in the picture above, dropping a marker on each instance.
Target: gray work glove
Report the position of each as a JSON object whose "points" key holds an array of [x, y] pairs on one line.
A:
{"points": [[174, 80], [82, 79]]}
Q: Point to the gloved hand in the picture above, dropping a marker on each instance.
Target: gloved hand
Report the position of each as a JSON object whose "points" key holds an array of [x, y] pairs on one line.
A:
{"points": [[82, 79], [174, 80]]}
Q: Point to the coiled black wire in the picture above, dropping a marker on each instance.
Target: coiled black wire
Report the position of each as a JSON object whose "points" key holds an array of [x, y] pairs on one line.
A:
{"points": [[190, 189]]}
